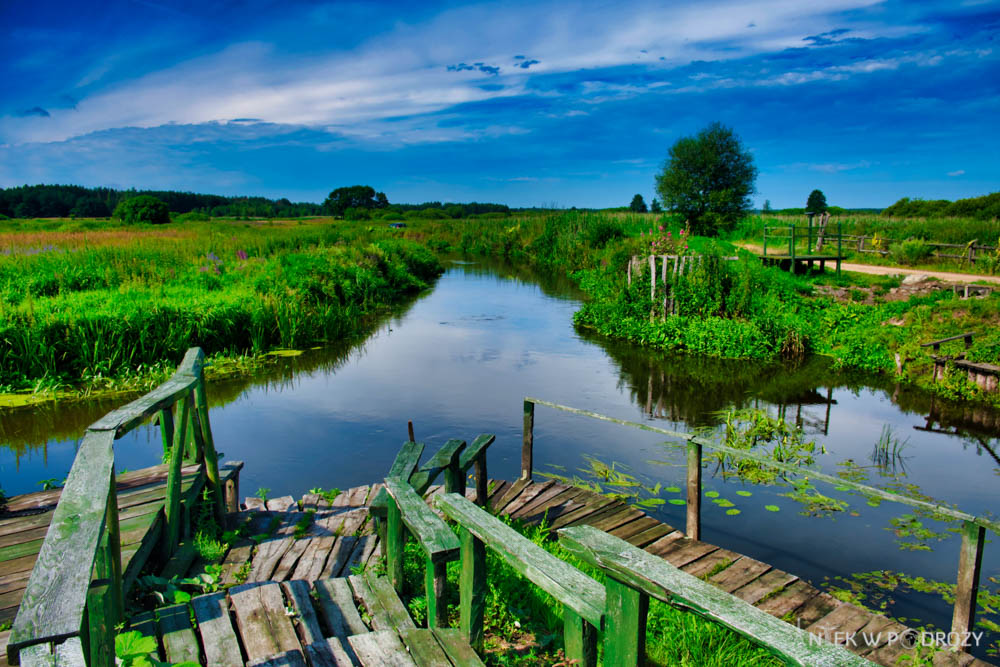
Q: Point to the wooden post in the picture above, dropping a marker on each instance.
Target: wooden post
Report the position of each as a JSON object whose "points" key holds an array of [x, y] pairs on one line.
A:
{"points": [[435, 578], [167, 431], [172, 506], [791, 248], [472, 588], [579, 639], [113, 555], [628, 272], [100, 629], [970, 561], [482, 480], [624, 625], [693, 490], [663, 279], [527, 440], [210, 456], [861, 243], [765, 240], [840, 249], [394, 545], [409, 427], [454, 478]]}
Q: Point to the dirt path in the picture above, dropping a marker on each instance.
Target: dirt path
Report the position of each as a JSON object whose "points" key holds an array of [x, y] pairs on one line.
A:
{"points": [[899, 271]]}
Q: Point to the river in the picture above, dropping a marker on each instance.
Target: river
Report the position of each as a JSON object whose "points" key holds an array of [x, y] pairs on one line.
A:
{"points": [[458, 361]]}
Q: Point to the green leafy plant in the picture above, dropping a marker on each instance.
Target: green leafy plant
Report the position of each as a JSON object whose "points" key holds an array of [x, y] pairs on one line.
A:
{"points": [[326, 494], [262, 494]]}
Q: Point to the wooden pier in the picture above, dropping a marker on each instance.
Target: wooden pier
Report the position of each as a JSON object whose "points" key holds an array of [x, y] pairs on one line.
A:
{"points": [[303, 586]]}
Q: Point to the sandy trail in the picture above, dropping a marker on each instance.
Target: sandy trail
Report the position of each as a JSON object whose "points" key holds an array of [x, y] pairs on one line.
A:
{"points": [[948, 276]]}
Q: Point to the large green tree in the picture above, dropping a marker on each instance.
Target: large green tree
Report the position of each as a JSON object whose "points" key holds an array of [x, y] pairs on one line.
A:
{"points": [[356, 197], [638, 204], [816, 202], [708, 179], [143, 208]]}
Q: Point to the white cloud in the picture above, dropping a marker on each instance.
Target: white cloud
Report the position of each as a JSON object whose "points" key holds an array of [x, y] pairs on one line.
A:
{"points": [[960, 172], [403, 73]]}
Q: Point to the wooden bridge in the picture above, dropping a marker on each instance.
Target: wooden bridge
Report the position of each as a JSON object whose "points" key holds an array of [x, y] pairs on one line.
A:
{"points": [[304, 589], [786, 246]]}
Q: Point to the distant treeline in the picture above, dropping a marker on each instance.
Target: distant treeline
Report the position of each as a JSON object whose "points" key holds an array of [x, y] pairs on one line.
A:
{"points": [[832, 210], [64, 201], [986, 207]]}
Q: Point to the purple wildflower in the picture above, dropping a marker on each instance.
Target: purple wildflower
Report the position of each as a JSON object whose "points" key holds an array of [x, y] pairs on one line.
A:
{"points": [[242, 254]]}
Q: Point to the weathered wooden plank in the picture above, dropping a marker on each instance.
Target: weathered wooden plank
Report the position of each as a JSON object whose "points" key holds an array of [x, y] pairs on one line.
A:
{"points": [[380, 649], [380, 619], [131, 415], [512, 492], [740, 573], [265, 629], [693, 506], [362, 546], [297, 593], [479, 446], [791, 598], [216, 630], [632, 528], [592, 507], [665, 542], [286, 659], [709, 563], [843, 621], [654, 577], [268, 556], [290, 559], [179, 641], [237, 556], [403, 466], [383, 590], [282, 504], [329, 653], [768, 583], [815, 608], [579, 640], [310, 565], [529, 494], [683, 551], [424, 648], [336, 607], [430, 531], [561, 580], [338, 557], [54, 600], [556, 495], [455, 647], [498, 491], [612, 521]]}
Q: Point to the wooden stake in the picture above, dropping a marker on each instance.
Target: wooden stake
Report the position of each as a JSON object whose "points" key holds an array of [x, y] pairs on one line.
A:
{"points": [[970, 562]]}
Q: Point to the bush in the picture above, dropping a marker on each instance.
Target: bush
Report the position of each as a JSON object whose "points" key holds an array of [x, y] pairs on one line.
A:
{"points": [[357, 213], [910, 251], [193, 216], [600, 231], [143, 209]]}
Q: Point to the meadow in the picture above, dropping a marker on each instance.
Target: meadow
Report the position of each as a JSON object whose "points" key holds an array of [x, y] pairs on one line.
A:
{"points": [[91, 305], [88, 304]]}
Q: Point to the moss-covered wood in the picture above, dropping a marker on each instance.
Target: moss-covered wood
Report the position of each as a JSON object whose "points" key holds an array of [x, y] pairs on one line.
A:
{"points": [[630, 568]]}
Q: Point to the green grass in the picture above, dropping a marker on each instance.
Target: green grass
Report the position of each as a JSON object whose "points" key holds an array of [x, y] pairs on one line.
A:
{"points": [[80, 308], [524, 624]]}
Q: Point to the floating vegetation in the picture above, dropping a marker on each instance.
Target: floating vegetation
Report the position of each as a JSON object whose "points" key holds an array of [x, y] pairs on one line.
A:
{"points": [[677, 501], [756, 431], [711, 494], [732, 512], [672, 489], [612, 481], [745, 494], [813, 502], [772, 508]]}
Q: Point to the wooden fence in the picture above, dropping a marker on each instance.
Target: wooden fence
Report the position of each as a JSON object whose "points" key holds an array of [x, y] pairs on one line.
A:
{"points": [[973, 529], [74, 595], [680, 265]]}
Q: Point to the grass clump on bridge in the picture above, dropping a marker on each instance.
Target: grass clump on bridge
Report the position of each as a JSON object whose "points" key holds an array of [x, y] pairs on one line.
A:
{"points": [[523, 624]]}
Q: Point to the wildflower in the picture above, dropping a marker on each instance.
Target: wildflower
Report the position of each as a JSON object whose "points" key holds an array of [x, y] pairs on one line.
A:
{"points": [[241, 254], [212, 256], [661, 228]]}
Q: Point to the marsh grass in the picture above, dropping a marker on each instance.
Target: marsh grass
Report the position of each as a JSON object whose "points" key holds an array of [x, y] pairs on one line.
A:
{"points": [[82, 307]]}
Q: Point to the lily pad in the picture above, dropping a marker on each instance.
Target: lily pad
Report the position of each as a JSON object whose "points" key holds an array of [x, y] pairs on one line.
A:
{"points": [[711, 494], [732, 512], [284, 353], [745, 494], [772, 508], [841, 488], [677, 501], [673, 489]]}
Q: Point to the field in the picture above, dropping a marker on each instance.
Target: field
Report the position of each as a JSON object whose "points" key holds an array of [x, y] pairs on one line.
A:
{"points": [[117, 307], [87, 305]]}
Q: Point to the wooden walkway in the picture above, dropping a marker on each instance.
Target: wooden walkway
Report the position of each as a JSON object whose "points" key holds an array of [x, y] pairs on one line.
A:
{"points": [[141, 495], [298, 601]]}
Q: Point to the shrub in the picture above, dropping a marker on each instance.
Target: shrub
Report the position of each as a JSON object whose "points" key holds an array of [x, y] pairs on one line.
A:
{"points": [[193, 216], [600, 231], [143, 209], [910, 251]]}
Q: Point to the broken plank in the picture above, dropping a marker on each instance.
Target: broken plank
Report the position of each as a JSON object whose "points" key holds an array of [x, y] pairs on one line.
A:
{"points": [[216, 630], [179, 641], [336, 607], [265, 628], [380, 649]]}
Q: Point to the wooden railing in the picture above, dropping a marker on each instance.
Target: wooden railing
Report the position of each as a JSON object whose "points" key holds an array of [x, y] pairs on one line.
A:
{"points": [[973, 529], [74, 595], [633, 576], [789, 237]]}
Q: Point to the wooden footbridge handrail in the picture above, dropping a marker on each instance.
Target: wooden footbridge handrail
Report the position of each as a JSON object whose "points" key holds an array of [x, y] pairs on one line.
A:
{"points": [[973, 528], [65, 610], [633, 576]]}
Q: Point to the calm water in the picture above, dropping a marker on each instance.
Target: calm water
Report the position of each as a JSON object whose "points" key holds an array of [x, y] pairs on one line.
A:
{"points": [[458, 361]]}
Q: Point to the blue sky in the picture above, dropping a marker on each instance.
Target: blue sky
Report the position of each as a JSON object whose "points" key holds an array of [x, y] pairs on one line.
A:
{"points": [[524, 103]]}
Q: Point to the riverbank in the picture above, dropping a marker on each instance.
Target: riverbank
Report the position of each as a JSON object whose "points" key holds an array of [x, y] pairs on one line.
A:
{"points": [[112, 310], [738, 309]]}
